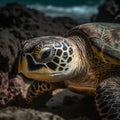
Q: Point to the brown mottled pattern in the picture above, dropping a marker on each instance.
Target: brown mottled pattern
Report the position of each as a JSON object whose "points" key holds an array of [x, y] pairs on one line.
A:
{"points": [[104, 36]]}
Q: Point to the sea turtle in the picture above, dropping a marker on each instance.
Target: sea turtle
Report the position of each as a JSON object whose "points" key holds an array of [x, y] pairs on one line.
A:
{"points": [[86, 60]]}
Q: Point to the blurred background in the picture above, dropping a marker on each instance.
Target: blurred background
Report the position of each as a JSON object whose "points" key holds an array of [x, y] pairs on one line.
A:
{"points": [[79, 10]]}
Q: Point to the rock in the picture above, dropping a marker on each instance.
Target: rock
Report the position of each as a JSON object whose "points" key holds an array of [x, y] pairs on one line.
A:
{"points": [[9, 47], [72, 106], [13, 113], [18, 23], [108, 11], [11, 91]]}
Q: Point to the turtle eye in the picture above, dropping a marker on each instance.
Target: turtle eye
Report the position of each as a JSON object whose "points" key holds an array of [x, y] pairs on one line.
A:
{"points": [[46, 52], [41, 53]]}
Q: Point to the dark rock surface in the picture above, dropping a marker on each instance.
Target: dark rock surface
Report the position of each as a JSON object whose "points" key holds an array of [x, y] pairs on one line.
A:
{"points": [[13, 113], [108, 11], [11, 91]]}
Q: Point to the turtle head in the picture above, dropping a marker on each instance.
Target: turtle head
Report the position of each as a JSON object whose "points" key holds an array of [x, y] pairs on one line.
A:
{"points": [[47, 58]]}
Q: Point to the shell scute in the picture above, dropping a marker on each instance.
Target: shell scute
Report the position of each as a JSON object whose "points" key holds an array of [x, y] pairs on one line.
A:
{"points": [[103, 36]]}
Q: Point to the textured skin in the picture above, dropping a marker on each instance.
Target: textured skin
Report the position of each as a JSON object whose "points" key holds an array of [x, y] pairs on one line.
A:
{"points": [[108, 99], [40, 90], [36, 89], [88, 57], [38, 93]]}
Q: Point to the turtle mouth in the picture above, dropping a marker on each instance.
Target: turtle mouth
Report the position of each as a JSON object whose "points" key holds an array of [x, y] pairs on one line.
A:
{"points": [[51, 74], [48, 77]]}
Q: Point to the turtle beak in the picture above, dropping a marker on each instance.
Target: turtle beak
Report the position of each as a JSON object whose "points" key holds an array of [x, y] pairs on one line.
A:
{"points": [[23, 69], [22, 62]]}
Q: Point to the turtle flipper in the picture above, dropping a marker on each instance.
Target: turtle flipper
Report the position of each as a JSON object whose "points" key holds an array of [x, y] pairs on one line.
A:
{"points": [[40, 92], [108, 99]]}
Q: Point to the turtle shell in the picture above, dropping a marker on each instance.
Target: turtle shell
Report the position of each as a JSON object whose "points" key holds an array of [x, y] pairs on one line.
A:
{"points": [[104, 39]]}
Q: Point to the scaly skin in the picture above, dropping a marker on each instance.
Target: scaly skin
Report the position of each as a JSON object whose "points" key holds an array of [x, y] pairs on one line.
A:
{"points": [[108, 99]]}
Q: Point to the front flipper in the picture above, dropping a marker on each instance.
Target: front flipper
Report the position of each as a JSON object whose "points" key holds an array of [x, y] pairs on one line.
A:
{"points": [[108, 99], [40, 92]]}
